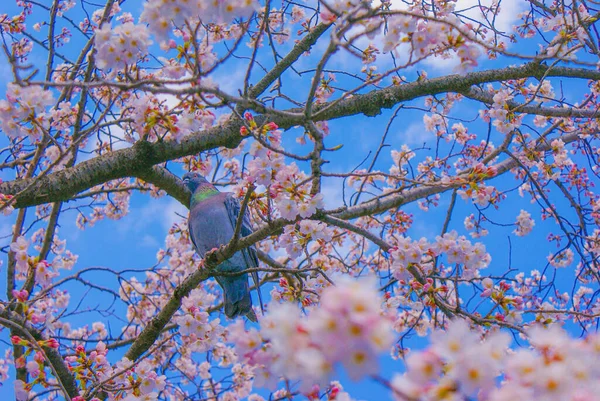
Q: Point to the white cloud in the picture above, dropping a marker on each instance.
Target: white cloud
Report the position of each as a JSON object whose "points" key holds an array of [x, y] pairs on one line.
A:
{"points": [[6, 226], [165, 211], [332, 193], [152, 215], [149, 241], [172, 212], [115, 138], [504, 21], [230, 77], [509, 11], [6, 71], [424, 229], [415, 134]]}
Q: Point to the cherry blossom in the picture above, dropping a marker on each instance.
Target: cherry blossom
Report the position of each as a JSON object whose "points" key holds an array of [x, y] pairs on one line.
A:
{"points": [[347, 328], [388, 155], [121, 46], [524, 224]]}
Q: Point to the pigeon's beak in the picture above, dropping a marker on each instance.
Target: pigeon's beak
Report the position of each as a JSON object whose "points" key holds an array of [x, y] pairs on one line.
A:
{"points": [[186, 180]]}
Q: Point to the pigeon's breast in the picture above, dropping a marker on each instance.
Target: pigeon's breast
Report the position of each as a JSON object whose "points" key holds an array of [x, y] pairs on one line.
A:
{"points": [[211, 227]]}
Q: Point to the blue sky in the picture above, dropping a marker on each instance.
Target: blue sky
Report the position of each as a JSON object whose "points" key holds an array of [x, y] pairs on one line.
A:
{"points": [[132, 242]]}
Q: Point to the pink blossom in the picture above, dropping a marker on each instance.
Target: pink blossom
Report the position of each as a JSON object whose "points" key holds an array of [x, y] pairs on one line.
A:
{"points": [[21, 104], [21, 390], [423, 367], [524, 224], [561, 259], [33, 368], [288, 209], [121, 46], [348, 328], [160, 14]]}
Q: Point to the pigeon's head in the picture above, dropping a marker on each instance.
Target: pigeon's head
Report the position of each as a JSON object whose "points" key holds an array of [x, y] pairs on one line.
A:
{"points": [[194, 180]]}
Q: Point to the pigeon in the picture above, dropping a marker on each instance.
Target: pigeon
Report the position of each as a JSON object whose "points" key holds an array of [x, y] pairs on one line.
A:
{"points": [[211, 224]]}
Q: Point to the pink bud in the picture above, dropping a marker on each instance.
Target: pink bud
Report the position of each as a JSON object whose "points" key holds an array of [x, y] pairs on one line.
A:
{"points": [[334, 392], [20, 362], [16, 340], [20, 295], [271, 126], [38, 357]]}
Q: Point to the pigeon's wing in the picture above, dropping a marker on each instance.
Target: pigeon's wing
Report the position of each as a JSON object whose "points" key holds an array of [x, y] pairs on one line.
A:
{"points": [[250, 257], [233, 210], [191, 232], [195, 211]]}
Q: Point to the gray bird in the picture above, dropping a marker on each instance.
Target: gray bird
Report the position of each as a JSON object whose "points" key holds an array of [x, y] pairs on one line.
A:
{"points": [[212, 221]]}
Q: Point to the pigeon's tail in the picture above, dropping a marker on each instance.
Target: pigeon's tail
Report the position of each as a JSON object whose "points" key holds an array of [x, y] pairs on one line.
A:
{"points": [[237, 297], [252, 316]]}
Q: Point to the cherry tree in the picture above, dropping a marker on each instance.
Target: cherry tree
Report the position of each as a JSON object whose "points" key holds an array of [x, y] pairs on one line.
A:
{"points": [[420, 176]]}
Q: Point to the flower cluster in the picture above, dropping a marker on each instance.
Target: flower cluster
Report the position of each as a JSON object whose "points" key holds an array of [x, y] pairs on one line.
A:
{"points": [[19, 247], [560, 156], [153, 120], [296, 237], [457, 249], [428, 37], [122, 381], [15, 24], [338, 7], [475, 225], [268, 168], [458, 365], [561, 259], [159, 14], [505, 120], [121, 46], [23, 113], [195, 325], [290, 209], [63, 117], [401, 160], [267, 162], [346, 328], [253, 126], [480, 195], [36, 367], [524, 224]]}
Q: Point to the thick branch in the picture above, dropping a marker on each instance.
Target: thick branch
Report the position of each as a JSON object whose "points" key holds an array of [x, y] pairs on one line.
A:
{"points": [[168, 182], [62, 185]]}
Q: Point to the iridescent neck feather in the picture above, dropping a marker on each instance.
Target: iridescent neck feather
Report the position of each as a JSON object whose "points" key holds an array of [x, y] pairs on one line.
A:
{"points": [[203, 192]]}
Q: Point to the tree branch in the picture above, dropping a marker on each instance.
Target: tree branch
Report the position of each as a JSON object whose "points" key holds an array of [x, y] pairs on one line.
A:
{"points": [[62, 185]]}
